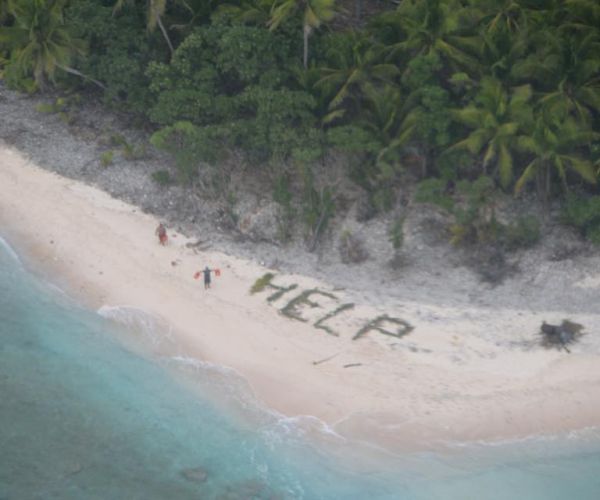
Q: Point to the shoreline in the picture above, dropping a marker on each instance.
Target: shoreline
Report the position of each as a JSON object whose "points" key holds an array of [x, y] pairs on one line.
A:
{"points": [[461, 375]]}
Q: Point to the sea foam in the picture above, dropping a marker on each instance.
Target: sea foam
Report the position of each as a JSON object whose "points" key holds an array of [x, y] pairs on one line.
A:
{"points": [[9, 250]]}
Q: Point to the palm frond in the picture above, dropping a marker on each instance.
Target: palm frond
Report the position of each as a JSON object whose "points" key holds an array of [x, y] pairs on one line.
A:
{"points": [[584, 168], [527, 176], [490, 154], [470, 116]]}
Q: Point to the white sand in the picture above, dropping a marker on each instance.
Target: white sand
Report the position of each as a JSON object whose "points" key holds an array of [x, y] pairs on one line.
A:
{"points": [[460, 375]]}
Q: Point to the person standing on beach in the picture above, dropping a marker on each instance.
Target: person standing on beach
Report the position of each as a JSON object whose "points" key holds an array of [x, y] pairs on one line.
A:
{"points": [[161, 232], [207, 272]]}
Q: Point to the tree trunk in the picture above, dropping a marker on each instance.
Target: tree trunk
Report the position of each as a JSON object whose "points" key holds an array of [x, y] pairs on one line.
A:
{"points": [[357, 9], [73, 71], [543, 184], [165, 34], [307, 30]]}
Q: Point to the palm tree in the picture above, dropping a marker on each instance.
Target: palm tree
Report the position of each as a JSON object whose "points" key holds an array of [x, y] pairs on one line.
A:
{"points": [[579, 66], [566, 66], [500, 52], [155, 11], [4, 11], [496, 119], [426, 27], [555, 143], [308, 80], [391, 118], [510, 16], [314, 13], [583, 15], [504, 27], [247, 11], [39, 41], [4, 17], [189, 13], [357, 65]]}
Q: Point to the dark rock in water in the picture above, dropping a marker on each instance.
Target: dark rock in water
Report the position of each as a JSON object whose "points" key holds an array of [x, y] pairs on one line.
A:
{"points": [[71, 469], [250, 490], [197, 474]]}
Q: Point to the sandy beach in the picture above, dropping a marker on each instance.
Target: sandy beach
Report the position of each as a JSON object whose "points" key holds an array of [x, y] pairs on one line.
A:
{"points": [[459, 374]]}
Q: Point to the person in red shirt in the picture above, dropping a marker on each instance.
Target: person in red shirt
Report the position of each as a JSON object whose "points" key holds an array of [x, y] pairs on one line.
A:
{"points": [[161, 232]]}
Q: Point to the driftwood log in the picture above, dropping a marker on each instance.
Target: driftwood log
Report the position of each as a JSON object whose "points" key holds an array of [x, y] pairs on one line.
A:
{"points": [[560, 335]]}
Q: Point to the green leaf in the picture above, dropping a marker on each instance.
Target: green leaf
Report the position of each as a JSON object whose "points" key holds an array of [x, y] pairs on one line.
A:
{"points": [[584, 168], [528, 175]]}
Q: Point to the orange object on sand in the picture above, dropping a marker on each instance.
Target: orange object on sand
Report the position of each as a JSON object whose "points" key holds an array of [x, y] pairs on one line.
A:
{"points": [[163, 238], [196, 275], [217, 272]]}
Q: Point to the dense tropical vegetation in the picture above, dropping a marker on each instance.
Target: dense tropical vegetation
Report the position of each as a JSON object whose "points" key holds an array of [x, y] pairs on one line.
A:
{"points": [[448, 90]]}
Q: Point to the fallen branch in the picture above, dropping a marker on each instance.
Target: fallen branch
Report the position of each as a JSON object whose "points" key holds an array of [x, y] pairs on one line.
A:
{"points": [[325, 359]]}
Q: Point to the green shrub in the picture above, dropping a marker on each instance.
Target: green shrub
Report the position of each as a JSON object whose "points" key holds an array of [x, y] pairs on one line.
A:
{"points": [[584, 214], [593, 235], [382, 198], [60, 105], [318, 206], [66, 117], [162, 178], [118, 140], [396, 233], [474, 219], [524, 233], [134, 152], [190, 146], [434, 191], [474, 215], [282, 194], [46, 108], [128, 150], [107, 158]]}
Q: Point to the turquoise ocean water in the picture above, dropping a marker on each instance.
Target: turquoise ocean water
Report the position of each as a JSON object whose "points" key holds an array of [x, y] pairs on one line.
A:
{"points": [[102, 405]]}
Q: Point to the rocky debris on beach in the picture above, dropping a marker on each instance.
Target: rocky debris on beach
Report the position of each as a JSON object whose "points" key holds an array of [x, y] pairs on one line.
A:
{"points": [[199, 244], [560, 335], [260, 222]]}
